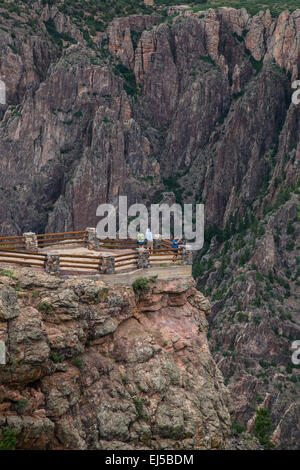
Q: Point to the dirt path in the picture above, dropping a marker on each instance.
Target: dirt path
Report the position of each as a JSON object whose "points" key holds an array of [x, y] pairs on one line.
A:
{"points": [[163, 273]]}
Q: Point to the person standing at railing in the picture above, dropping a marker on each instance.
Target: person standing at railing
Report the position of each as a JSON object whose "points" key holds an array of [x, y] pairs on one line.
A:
{"points": [[175, 246], [149, 238], [140, 239]]}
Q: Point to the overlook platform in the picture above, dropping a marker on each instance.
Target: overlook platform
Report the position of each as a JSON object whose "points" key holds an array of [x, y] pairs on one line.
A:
{"points": [[83, 253]]}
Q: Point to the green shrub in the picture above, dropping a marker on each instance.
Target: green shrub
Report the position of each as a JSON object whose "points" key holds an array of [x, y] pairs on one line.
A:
{"points": [[158, 198], [56, 357], [257, 301], [44, 306], [14, 49], [129, 85], [135, 37], [8, 438], [139, 406], [290, 246], [242, 317], [57, 37], [264, 364], [141, 285], [78, 114], [238, 428], [78, 362], [256, 64], [20, 405], [207, 59], [290, 229], [263, 428], [8, 273], [245, 257]]}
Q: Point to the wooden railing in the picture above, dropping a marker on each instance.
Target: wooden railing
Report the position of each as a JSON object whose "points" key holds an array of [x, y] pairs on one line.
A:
{"points": [[123, 261], [25, 259], [49, 239], [12, 243], [24, 250], [117, 244], [165, 255], [166, 243], [80, 262]]}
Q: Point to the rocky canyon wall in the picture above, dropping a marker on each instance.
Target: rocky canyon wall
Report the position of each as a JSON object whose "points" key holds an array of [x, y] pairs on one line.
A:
{"points": [[91, 366]]}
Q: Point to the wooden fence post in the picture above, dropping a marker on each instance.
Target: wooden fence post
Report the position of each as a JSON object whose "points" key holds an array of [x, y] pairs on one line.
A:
{"points": [[187, 255], [93, 242], [31, 243], [52, 263], [143, 259], [156, 243], [108, 264]]}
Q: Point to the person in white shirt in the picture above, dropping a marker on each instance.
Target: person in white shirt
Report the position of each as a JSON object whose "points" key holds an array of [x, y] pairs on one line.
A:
{"points": [[149, 238]]}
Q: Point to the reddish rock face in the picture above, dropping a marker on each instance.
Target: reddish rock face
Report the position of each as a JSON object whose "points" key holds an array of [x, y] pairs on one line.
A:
{"points": [[89, 367]]}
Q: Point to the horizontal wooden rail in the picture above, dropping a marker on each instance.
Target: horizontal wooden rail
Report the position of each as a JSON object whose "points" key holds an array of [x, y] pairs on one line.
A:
{"points": [[126, 259], [12, 238], [44, 240], [116, 245], [126, 242], [94, 263], [162, 256], [112, 247], [125, 254], [117, 240], [11, 248], [22, 255], [10, 243], [80, 256], [165, 243], [61, 233], [165, 250], [24, 262], [43, 245], [165, 254], [77, 266], [125, 264]]}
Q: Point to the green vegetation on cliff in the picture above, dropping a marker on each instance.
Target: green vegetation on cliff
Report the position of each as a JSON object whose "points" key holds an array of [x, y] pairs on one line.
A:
{"points": [[8, 439], [96, 14], [263, 428]]}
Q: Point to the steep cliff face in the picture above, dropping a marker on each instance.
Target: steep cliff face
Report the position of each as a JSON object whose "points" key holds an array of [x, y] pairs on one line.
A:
{"points": [[194, 103], [195, 97], [90, 366], [253, 281]]}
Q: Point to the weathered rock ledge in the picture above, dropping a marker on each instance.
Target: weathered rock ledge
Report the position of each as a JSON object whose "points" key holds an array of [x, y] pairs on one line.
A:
{"points": [[90, 366]]}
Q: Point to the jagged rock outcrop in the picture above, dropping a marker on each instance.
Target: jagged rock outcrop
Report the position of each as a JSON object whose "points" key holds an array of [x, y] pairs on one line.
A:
{"points": [[84, 129], [90, 366]]}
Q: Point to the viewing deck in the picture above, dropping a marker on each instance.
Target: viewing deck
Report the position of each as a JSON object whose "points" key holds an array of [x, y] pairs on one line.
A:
{"points": [[83, 253]]}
